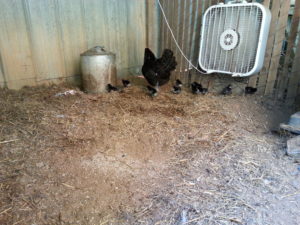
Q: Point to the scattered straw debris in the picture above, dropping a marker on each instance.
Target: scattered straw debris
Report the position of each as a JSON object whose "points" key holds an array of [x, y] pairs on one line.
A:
{"points": [[127, 158]]}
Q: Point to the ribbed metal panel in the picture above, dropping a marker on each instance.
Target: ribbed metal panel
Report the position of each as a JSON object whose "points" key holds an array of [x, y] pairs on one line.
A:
{"points": [[42, 40]]}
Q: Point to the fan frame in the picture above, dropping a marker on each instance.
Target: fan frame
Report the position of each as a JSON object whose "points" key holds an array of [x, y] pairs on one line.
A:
{"points": [[261, 45]]}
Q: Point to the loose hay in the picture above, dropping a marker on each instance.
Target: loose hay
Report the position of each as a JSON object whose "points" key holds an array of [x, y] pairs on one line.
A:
{"points": [[126, 158]]}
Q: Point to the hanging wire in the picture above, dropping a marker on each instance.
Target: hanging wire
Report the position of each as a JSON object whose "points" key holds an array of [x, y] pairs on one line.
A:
{"points": [[176, 43]]}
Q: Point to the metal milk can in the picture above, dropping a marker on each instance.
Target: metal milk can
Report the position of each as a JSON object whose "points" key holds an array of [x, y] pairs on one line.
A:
{"points": [[98, 69]]}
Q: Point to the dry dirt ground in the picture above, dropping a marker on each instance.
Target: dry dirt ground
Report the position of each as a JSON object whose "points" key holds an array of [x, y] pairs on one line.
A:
{"points": [[125, 158]]}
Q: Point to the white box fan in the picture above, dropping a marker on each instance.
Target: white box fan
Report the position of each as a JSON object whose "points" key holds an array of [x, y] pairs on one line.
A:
{"points": [[234, 38]]}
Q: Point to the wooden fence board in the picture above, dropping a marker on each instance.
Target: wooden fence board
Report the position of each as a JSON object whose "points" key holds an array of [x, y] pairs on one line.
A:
{"points": [[253, 79], [293, 83], [284, 72], [263, 75], [279, 37]]}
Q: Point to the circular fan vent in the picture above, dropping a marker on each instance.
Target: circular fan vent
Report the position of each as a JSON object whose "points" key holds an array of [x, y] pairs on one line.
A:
{"points": [[229, 39]]}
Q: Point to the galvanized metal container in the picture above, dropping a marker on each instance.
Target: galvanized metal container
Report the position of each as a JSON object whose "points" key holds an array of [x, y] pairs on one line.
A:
{"points": [[98, 69], [293, 147], [293, 124]]}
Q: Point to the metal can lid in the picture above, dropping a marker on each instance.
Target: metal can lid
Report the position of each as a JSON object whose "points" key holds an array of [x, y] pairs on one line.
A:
{"points": [[97, 50]]}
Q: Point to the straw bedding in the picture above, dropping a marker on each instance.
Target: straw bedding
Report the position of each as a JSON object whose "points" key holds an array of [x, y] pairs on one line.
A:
{"points": [[127, 158]]}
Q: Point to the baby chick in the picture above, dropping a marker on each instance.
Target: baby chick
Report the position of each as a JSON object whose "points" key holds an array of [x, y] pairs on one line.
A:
{"points": [[126, 83], [227, 90], [195, 88], [250, 90], [110, 88], [176, 89], [178, 83]]}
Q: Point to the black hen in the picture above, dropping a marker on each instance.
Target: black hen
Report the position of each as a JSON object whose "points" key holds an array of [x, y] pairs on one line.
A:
{"points": [[158, 71]]}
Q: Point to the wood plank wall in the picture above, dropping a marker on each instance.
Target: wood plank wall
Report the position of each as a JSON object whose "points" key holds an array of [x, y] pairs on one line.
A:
{"points": [[41, 41], [279, 78]]}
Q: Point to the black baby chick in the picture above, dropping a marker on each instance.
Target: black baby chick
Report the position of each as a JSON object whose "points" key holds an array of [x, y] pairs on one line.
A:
{"points": [[178, 83], [126, 83], [250, 90], [176, 89], [196, 88], [197, 84], [110, 88], [152, 91], [204, 90], [227, 90]]}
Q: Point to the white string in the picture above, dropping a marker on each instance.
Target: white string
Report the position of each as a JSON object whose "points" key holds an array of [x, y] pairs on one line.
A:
{"points": [[170, 29]]}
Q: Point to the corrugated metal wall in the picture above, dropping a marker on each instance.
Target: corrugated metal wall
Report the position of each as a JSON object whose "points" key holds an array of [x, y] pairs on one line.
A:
{"points": [[41, 39], [185, 18], [279, 78]]}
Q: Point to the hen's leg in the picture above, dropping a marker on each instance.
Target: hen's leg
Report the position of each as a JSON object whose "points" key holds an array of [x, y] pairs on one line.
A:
{"points": [[157, 86]]}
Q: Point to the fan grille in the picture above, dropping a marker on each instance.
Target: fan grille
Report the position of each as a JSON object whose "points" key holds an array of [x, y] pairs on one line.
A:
{"points": [[246, 22]]}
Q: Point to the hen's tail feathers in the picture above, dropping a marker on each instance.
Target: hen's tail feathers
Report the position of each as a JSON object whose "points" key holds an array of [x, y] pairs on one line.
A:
{"points": [[149, 55], [168, 60]]}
